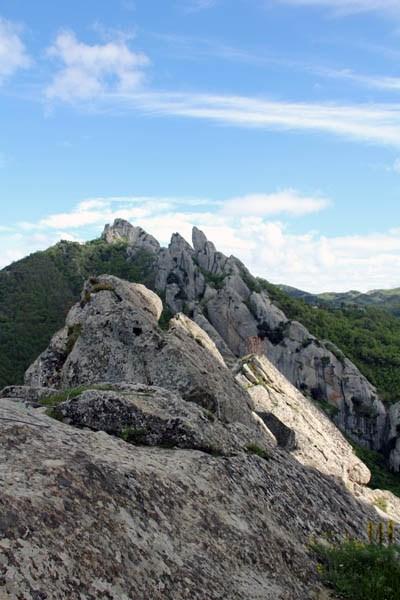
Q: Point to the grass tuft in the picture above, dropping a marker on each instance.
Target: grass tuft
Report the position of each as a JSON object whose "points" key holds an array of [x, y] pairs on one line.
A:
{"points": [[258, 451], [69, 394]]}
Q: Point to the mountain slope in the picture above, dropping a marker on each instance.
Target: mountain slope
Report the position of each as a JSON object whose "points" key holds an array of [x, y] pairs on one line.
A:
{"points": [[368, 335], [218, 293], [125, 489]]}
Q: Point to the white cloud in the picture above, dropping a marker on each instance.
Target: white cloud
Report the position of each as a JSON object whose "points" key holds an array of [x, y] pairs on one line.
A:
{"points": [[90, 70], [109, 76], [372, 123], [13, 55], [346, 7], [396, 166], [269, 247], [288, 202], [380, 82]]}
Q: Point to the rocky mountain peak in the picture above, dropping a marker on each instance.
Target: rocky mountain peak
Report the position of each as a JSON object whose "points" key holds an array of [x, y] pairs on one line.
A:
{"points": [[122, 230], [178, 244], [199, 239]]}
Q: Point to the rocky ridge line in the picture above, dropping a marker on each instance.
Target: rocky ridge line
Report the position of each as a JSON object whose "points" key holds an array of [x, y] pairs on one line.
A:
{"points": [[223, 298]]}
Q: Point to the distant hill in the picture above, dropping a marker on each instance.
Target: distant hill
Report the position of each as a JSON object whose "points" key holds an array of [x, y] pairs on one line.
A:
{"points": [[386, 299]]}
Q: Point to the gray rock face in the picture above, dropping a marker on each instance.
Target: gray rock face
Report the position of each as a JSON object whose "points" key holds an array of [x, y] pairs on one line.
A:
{"points": [[151, 416], [393, 443], [209, 286], [298, 425], [121, 230], [31, 396], [85, 515], [113, 335]]}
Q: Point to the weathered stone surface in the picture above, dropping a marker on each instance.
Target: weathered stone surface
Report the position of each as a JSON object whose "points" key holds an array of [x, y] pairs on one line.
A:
{"points": [[222, 347], [201, 281], [154, 416], [297, 423], [31, 396], [86, 516], [121, 230], [113, 335]]}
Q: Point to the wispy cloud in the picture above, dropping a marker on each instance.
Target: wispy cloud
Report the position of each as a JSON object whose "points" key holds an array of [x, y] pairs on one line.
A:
{"points": [[13, 54], [373, 123], [348, 7], [195, 48], [286, 202], [108, 77], [379, 82], [90, 70]]}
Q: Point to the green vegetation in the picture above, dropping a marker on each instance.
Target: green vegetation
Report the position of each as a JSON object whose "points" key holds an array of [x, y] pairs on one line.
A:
{"points": [[72, 337], [369, 336], [62, 396], [165, 318], [134, 436], [37, 292], [258, 451], [216, 281], [329, 409], [361, 571], [381, 477], [208, 414], [52, 402], [102, 287]]}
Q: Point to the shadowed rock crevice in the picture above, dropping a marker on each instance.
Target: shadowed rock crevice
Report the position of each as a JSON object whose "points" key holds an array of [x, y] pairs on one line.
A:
{"points": [[285, 437]]}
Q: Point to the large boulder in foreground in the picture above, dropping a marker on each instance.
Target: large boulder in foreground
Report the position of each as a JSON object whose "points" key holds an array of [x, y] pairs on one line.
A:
{"points": [[87, 516], [152, 416], [113, 335]]}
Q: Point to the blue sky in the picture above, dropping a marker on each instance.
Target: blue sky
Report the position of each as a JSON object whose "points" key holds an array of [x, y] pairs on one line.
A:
{"points": [[272, 124]]}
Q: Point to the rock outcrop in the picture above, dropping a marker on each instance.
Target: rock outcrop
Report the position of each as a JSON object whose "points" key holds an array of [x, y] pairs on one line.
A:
{"points": [[136, 465], [220, 294], [152, 416], [113, 335], [112, 339], [136, 237], [298, 425]]}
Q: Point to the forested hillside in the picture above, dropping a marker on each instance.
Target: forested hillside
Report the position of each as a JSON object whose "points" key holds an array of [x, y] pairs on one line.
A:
{"points": [[368, 335], [387, 299]]}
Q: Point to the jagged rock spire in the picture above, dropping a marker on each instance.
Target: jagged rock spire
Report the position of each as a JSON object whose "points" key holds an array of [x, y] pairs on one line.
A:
{"points": [[122, 230]]}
